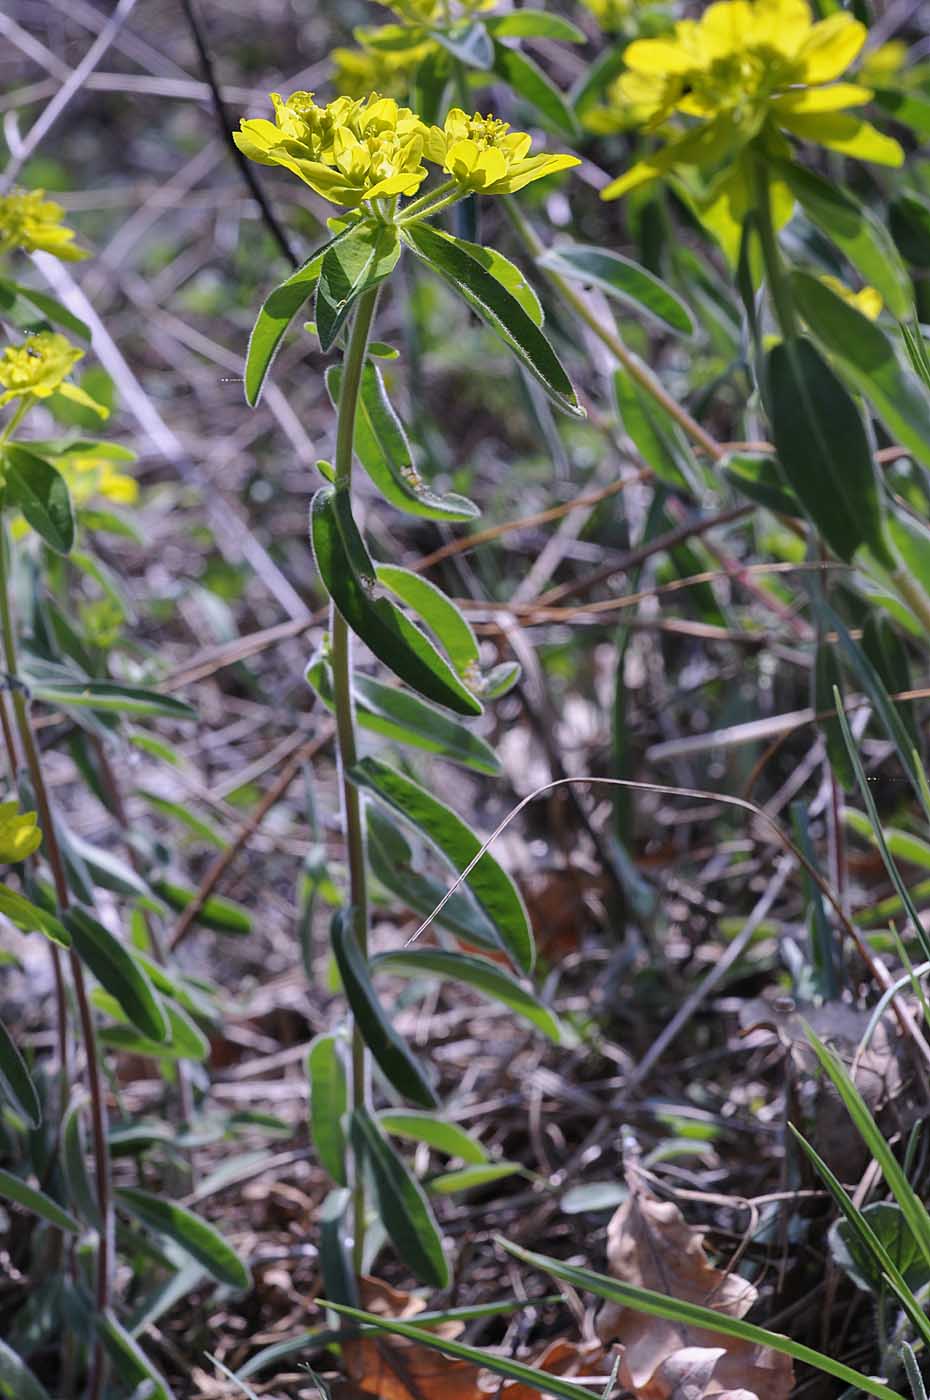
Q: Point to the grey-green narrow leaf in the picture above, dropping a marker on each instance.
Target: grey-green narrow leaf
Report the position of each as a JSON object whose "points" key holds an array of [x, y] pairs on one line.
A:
{"points": [[16, 1380], [531, 83], [16, 1081], [129, 1360], [277, 313], [328, 1104], [118, 973], [391, 1053], [202, 1241], [402, 1204], [483, 976], [435, 1132], [622, 279], [40, 491], [350, 266], [13, 1189], [498, 308], [493, 888]]}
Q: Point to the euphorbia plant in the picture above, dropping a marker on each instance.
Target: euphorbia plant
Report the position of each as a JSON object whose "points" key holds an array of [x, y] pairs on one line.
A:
{"points": [[372, 157]]}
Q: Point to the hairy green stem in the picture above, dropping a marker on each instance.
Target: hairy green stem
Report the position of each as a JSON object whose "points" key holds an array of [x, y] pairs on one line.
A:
{"points": [[344, 708], [56, 863], [771, 253], [634, 367]]}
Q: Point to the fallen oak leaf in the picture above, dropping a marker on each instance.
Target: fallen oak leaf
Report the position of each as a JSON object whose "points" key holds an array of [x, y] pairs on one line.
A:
{"points": [[651, 1245]]}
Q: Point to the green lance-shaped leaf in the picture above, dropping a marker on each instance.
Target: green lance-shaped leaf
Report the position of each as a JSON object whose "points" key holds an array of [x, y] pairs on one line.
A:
{"points": [[394, 712], [909, 107], [535, 24], [509, 276], [351, 265], [109, 697], [530, 82], [435, 1132], [622, 279], [856, 231], [328, 1104], [493, 888], [30, 918], [402, 1203], [336, 1246], [645, 1300], [118, 973], [497, 308], [468, 1178], [13, 1189], [469, 42], [390, 1051], [354, 547], [484, 976], [823, 449], [870, 361], [217, 913], [759, 478], [377, 622], [659, 441], [81, 1192], [16, 1081], [887, 653], [13, 295], [391, 861], [16, 1380], [382, 447], [909, 221], [278, 311], [39, 490], [201, 1240], [439, 613], [129, 1360]]}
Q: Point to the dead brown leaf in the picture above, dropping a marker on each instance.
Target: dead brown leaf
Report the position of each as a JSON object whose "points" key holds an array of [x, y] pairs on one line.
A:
{"points": [[651, 1245]]}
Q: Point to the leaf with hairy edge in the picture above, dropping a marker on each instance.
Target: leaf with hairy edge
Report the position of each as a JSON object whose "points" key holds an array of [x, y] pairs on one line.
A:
{"points": [[869, 360], [483, 976], [435, 1132], [390, 1052], [39, 490], [439, 613], [11, 293], [351, 265], [378, 623], [29, 918], [628, 1295], [506, 272], [498, 308], [16, 1380], [278, 311], [118, 973], [622, 279], [382, 447], [129, 1360], [392, 864], [856, 231], [13, 1189], [328, 1104], [16, 1081], [195, 1236], [823, 449], [402, 1204], [530, 82], [493, 888], [397, 714]]}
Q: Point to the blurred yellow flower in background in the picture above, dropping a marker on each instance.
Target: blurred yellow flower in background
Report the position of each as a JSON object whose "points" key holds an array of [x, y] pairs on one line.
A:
{"points": [[90, 470], [484, 155], [747, 69], [867, 301], [40, 367], [19, 833], [33, 223], [367, 69]]}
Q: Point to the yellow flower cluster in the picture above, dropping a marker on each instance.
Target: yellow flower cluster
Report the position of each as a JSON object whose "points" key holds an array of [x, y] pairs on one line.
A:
{"points": [[30, 221], [353, 150], [90, 471], [40, 367], [371, 68], [19, 833], [747, 69]]}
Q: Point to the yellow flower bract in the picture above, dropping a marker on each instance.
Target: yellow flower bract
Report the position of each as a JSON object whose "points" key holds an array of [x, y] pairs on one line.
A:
{"points": [[30, 221], [867, 301], [354, 150], [40, 367], [747, 69], [19, 833]]}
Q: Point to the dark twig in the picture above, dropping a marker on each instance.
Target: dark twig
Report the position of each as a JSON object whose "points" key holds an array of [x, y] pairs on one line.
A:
{"points": [[225, 122]]}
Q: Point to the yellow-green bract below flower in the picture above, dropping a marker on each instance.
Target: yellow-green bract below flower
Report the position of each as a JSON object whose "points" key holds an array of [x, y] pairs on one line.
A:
{"points": [[40, 367], [348, 151], [484, 155], [19, 834], [747, 69], [30, 221]]}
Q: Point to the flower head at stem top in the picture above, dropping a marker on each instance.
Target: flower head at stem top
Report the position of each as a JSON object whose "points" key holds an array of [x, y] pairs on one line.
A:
{"points": [[33, 223], [39, 368], [747, 70], [484, 156]]}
